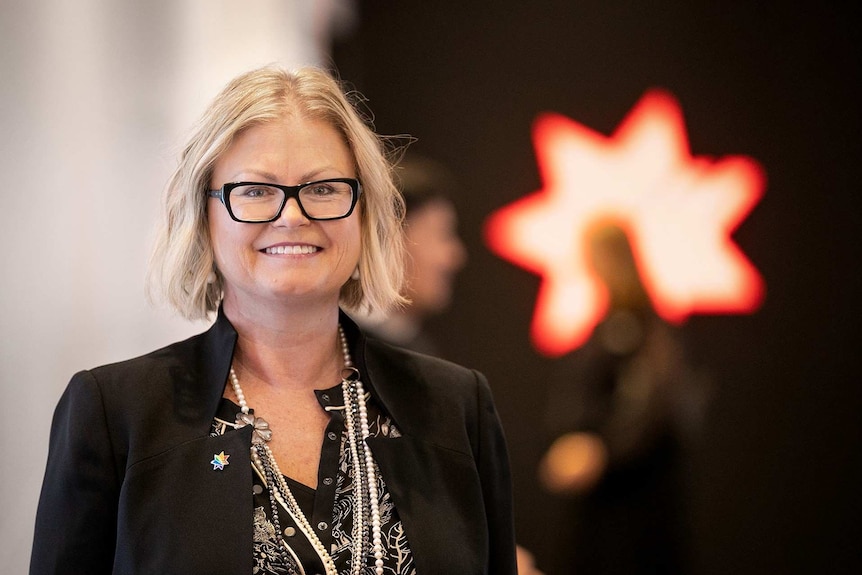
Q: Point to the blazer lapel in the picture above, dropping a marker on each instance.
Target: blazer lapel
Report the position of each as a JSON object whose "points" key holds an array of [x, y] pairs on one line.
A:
{"points": [[205, 485], [203, 498], [435, 492], [213, 364]]}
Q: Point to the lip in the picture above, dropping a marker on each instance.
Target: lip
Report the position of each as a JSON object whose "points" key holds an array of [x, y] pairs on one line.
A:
{"points": [[290, 249]]}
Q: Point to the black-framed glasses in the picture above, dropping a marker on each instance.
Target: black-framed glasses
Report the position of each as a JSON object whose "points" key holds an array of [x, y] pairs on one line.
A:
{"points": [[259, 203]]}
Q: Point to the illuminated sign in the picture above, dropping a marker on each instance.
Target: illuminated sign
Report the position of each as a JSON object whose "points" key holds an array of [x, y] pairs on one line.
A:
{"points": [[679, 212]]}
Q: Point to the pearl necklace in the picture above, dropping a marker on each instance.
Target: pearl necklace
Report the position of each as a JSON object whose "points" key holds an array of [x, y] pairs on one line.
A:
{"points": [[363, 469]]}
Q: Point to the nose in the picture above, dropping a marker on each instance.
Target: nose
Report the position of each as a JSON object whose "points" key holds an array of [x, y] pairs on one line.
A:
{"points": [[457, 253], [291, 215]]}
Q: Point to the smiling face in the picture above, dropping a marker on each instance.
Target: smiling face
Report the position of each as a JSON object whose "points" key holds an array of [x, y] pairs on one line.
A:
{"points": [[292, 259]]}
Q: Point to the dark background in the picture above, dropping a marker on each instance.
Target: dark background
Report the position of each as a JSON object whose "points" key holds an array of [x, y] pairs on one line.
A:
{"points": [[777, 481]]}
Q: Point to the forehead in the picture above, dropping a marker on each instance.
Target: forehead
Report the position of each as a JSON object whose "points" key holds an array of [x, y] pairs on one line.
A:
{"points": [[294, 130], [287, 146]]}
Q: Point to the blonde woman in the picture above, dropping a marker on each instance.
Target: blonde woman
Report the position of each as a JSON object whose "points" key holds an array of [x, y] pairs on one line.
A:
{"points": [[281, 440]]}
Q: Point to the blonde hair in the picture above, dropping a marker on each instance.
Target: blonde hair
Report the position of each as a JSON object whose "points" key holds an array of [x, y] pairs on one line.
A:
{"points": [[182, 270]]}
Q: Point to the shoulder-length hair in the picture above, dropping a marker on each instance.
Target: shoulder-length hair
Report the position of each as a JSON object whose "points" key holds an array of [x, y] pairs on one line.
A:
{"points": [[182, 270]]}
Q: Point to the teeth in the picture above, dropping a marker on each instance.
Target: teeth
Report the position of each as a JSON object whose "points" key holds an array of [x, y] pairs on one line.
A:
{"points": [[293, 250]]}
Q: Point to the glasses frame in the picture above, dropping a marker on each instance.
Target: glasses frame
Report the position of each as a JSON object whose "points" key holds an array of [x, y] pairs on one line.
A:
{"points": [[223, 194]]}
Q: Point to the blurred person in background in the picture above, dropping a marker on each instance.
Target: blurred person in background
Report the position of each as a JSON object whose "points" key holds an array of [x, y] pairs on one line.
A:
{"points": [[623, 410], [280, 441], [435, 255]]}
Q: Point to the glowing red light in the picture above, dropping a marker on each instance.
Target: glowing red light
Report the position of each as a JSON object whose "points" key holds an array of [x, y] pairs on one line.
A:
{"points": [[679, 212]]}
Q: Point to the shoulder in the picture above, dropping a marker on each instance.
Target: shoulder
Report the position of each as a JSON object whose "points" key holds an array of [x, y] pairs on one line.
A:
{"points": [[426, 395], [167, 392], [165, 363], [200, 358], [417, 368], [132, 385]]}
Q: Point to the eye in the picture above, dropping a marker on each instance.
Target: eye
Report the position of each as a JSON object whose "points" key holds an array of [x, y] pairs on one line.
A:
{"points": [[256, 192], [322, 189]]}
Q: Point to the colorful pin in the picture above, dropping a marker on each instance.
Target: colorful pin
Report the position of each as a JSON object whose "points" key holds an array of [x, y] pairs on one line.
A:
{"points": [[219, 461]]}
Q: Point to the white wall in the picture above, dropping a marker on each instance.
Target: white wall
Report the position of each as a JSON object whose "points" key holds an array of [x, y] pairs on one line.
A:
{"points": [[95, 97]]}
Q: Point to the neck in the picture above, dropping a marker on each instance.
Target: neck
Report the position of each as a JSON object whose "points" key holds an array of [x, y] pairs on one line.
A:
{"points": [[286, 347]]}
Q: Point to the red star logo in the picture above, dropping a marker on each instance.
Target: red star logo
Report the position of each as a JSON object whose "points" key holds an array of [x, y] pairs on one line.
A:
{"points": [[679, 212]]}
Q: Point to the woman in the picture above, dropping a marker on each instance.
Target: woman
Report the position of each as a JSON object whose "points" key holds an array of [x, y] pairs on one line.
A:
{"points": [[280, 440]]}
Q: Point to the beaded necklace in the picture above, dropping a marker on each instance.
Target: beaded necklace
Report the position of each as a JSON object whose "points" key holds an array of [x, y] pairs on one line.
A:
{"points": [[364, 470]]}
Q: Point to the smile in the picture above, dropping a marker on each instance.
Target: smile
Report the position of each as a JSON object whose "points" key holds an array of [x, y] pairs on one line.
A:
{"points": [[292, 250]]}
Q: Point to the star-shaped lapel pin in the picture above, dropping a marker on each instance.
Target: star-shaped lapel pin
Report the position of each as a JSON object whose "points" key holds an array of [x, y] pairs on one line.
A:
{"points": [[219, 461]]}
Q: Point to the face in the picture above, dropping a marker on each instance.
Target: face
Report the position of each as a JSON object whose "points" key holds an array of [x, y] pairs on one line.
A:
{"points": [[435, 255], [320, 255]]}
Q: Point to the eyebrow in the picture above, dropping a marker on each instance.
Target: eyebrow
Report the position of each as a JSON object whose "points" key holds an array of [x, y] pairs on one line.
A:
{"points": [[245, 174], [270, 177]]}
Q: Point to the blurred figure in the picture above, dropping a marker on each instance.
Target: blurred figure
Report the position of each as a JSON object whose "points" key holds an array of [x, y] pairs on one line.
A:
{"points": [[622, 410], [435, 255]]}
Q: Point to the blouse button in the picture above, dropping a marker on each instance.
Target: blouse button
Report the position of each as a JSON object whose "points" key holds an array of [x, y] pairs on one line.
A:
{"points": [[257, 489], [289, 531], [331, 435], [325, 397], [322, 525], [327, 481]]}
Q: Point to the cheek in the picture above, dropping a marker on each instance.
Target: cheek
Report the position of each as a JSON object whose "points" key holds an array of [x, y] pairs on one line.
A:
{"points": [[353, 239], [217, 233], [214, 235], [225, 238]]}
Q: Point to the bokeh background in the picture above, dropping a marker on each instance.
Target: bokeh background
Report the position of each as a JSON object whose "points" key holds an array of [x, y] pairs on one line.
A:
{"points": [[774, 488], [96, 96]]}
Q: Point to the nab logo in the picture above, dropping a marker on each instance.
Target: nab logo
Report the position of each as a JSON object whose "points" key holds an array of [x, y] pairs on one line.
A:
{"points": [[679, 212]]}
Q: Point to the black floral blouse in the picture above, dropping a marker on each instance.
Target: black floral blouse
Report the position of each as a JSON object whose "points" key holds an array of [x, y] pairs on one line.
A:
{"points": [[329, 508]]}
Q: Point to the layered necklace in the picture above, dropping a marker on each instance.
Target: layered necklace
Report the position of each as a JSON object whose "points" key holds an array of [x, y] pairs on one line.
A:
{"points": [[364, 471]]}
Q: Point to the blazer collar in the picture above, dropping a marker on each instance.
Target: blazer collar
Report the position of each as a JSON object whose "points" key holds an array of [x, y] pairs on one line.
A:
{"points": [[217, 347], [216, 354], [376, 380]]}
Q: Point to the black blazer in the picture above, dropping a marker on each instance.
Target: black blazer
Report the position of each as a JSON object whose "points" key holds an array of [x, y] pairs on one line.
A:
{"points": [[129, 487]]}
